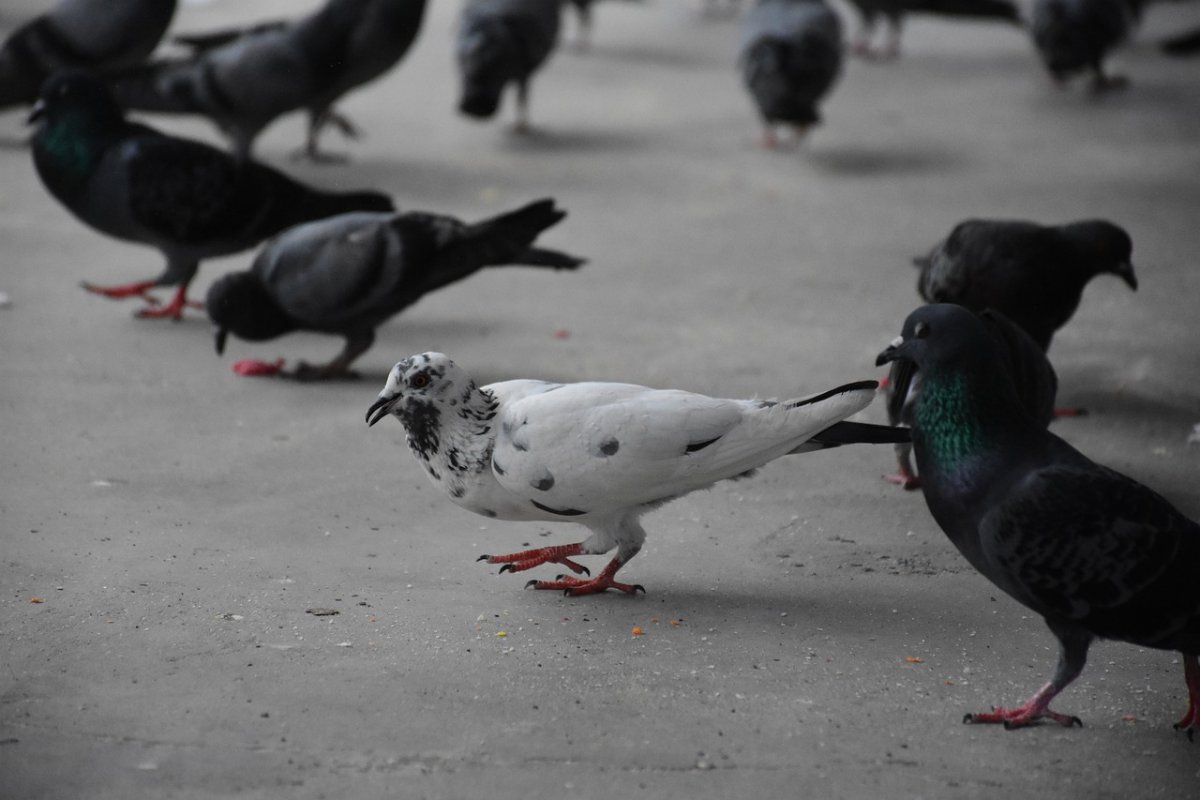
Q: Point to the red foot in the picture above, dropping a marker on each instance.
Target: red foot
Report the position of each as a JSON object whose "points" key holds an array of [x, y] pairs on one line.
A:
{"points": [[173, 309], [1190, 721], [905, 479], [254, 367], [120, 292], [527, 559], [1070, 411], [1028, 713], [576, 587]]}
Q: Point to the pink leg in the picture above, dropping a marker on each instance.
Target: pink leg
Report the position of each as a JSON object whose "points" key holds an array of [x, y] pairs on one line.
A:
{"points": [[905, 478], [1191, 674], [1028, 713], [577, 586], [121, 291], [527, 559], [173, 309]]}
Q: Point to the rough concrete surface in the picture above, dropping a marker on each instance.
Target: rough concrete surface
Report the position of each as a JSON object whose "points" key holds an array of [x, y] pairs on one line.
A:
{"points": [[807, 633]]}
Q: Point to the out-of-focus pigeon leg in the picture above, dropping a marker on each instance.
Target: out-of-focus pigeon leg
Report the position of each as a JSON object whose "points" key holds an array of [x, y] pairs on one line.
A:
{"points": [[173, 308], [527, 559], [339, 367], [578, 586], [123, 290], [1069, 411], [1191, 673], [522, 123], [1028, 713]]}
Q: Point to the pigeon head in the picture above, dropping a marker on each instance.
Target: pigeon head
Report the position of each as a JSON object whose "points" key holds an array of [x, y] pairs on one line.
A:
{"points": [[1104, 247], [941, 335], [417, 386], [238, 303], [78, 99]]}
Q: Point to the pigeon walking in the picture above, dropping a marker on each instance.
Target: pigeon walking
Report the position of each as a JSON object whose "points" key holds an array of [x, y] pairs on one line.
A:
{"points": [[347, 274], [189, 200], [599, 454], [1033, 274], [245, 80], [1092, 551], [1074, 36], [501, 42], [895, 11], [96, 35], [1033, 381], [791, 55]]}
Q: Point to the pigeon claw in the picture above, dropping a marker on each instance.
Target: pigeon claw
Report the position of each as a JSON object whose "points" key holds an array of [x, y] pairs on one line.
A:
{"points": [[1021, 717], [528, 559]]}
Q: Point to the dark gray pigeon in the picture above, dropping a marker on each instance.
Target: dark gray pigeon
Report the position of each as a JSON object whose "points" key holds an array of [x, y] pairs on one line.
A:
{"points": [[501, 42], [597, 454], [1032, 377], [1034, 274], [895, 11], [245, 80], [1074, 36], [1095, 553], [1182, 44], [188, 199], [791, 54], [97, 35], [347, 274]]}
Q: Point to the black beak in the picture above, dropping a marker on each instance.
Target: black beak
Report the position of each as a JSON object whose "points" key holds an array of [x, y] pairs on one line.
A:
{"points": [[890, 353], [1126, 273], [380, 409], [36, 113], [219, 340]]}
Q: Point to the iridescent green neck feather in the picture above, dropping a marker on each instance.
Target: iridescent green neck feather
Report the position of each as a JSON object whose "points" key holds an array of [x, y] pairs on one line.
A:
{"points": [[70, 149], [948, 419]]}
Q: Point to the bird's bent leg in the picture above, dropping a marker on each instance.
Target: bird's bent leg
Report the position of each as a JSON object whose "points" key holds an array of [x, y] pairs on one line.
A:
{"points": [[577, 586], [528, 559], [1073, 647], [1191, 673], [905, 476], [891, 44], [339, 367], [173, 308], [317, 120], [123, 290], [522, 123]]}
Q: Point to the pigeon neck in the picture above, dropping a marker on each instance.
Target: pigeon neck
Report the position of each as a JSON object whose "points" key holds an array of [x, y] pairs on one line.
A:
{"points": [[68, 150], [453, 437], [958, 420]]}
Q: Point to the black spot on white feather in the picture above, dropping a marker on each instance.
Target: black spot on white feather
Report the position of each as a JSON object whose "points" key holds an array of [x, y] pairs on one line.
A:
{"points": [[499, 470], [694, 446], [487, 512], [562, 512], [608, 447], [457, 492], [544, 482]]}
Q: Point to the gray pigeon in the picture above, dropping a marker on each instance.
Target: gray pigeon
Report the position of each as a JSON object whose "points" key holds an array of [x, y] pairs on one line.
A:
{"points": [[501, 42], [1074, 36], [244, 81], [1033, 380], [1095, 553], [97, 35], [791, 54], [188, 199], [347, 274], [1034, 274], [598, 454], [895, 11]]}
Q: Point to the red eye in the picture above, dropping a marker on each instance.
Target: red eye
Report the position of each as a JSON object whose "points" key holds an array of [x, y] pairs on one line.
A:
{"points": [[419, 381]]}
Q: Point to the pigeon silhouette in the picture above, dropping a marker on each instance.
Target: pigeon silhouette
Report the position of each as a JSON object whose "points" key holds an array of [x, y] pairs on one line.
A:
{"points": [[1074, 36], [502, 42], [97, 35], [187, 199], [791, 55], [1033, 274], [1033, 380], [598, 454], [347, 274], [1092, 551], [245, 80], [869, 12]]}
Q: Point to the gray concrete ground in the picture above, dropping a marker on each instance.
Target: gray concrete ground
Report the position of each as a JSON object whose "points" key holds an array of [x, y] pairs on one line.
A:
{"points": [[810, 633]]}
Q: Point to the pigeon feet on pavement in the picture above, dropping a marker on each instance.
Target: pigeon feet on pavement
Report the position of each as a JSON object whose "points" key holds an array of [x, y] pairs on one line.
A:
{"points": [[1023, 716], [576, 587], [527, 559]]}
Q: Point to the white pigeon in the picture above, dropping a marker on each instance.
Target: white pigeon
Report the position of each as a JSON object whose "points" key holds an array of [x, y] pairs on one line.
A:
{"points": [[599, 454]]}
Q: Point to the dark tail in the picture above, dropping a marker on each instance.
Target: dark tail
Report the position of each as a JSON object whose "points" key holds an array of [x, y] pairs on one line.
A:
{"points": [[1184, 44], [555, 259], [982, 9], [841, 433], [506, 238]]}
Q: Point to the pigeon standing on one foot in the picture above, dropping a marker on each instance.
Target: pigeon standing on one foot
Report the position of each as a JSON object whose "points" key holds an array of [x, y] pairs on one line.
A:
{"points": [[189, 200], [1033, 274], [1033, 380], [1075, 36], [895, 10], [502, 42], [599, 454], [96, 35], [244, 81], [791, 54], [1097, 554], [347, 274]]}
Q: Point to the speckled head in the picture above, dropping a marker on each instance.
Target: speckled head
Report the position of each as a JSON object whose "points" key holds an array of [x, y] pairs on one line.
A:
{"points": [[424, 379]]}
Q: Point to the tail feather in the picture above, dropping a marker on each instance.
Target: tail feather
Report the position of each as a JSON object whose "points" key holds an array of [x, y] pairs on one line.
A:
{"points": [[841, 433], [555, 259]]}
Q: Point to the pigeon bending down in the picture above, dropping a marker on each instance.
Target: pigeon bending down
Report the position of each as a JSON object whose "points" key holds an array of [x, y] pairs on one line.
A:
{"points": [[1034, 274], [189, 200], [501, 42], [599, 454], [1032, 378], [791, 55], [1074, 36], [1097, 554], [98, 35], [894, 11], [347, 274], [244, 80]]}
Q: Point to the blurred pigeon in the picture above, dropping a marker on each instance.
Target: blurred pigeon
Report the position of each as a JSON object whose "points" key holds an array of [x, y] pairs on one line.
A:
{"points": [[97, 35], [599, 454], [791, 54], [189, 200], [347, 274], [502, 42], [895, 10], [1182, 44], [1097, 554], [583, 11], [244, 80], [1074, 36], [1034, 274], [1032, 377]]}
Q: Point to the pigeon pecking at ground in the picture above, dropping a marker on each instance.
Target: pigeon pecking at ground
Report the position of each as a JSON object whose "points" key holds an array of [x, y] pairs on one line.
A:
{"points": [[894, 11], [791, 54], [97, 35], [347, 274], [1074, 36], [599, 454], [501, 42], [1033, 380], [1097, 554], [245, 80], [188, 199], [1034, 274]]}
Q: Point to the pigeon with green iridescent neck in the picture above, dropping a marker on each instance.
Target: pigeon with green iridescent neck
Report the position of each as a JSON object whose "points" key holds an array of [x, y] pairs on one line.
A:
{"points": [[1095, 553], [189, 200], [597, 454]]}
